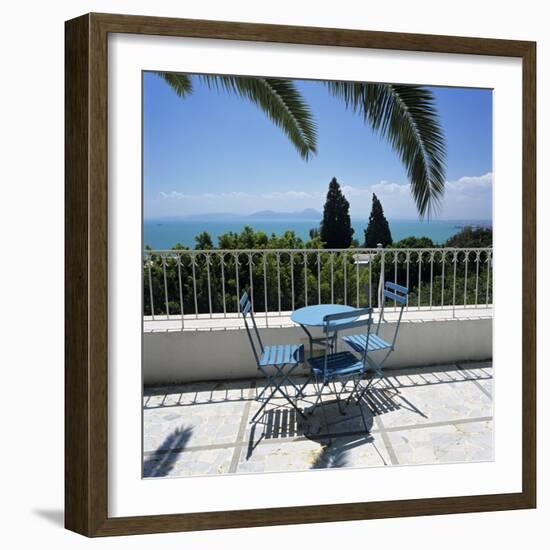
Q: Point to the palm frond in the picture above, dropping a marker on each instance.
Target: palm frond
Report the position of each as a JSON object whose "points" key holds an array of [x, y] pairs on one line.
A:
{"points": [[179, 82], [407, 117], [281, 102]]}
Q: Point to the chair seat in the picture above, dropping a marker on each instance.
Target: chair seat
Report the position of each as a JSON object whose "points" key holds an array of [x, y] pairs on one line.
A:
{"points": [[343, 363], [283, 354], [359, 341]]}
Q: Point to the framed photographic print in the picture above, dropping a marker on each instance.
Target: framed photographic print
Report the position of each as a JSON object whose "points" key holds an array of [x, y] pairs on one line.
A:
{"points": [[300, 275]]}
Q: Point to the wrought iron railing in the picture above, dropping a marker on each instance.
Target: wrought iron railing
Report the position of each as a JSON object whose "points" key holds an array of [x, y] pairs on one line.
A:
{"points": [[191, 284]]}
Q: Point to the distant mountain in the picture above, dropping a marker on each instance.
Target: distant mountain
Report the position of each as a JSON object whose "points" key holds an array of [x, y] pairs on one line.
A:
{"points": [[213, 216], [266, 215], [307, 214]]}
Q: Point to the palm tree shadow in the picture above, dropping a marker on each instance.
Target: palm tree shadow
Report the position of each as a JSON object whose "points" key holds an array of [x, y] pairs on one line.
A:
{"points": [[330, 457], [162, 461]]}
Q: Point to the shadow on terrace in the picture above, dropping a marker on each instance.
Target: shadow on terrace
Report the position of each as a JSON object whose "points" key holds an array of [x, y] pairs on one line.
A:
{"points": [[431, 415]]}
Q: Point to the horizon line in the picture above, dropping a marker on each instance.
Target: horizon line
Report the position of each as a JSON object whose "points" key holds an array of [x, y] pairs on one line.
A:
{"points": [[240, 217]]}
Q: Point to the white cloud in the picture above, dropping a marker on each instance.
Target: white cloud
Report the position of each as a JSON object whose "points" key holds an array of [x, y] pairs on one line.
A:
{"points": [[381, 188], [389, 188], [351, 191], [173, 195], [176, 203], [466, 183], [467, 197], [289, 195], [210, 196]]}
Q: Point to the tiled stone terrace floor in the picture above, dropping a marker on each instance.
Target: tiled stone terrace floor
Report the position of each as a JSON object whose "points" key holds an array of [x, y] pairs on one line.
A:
{"points": [[441, 414]]}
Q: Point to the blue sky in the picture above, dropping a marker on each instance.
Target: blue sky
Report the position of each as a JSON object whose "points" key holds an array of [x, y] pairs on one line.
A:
{"points": [[216, 152]]}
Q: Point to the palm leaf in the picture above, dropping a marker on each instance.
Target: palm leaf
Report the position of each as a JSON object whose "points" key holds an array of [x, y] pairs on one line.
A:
{"points": [[407, 117], [281, 102], [277, 97], [179, 82]]}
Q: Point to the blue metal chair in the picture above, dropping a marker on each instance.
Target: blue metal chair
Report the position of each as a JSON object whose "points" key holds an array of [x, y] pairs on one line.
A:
{"points": [[341, 366], [365, 344], [275, 362]]}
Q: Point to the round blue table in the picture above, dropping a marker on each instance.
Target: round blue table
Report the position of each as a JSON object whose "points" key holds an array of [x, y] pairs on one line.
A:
{"points": [[312, 316]]}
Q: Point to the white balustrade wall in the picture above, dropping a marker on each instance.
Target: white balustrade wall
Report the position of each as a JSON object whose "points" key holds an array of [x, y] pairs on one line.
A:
{"points": [[193, 330]]}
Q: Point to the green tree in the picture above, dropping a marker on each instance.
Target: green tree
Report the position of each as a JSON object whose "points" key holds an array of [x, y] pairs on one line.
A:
{"points": [[471, 237], [204, 241], [283, 278], [314, 233], [414, 242], [336, 230], [404, 114], [378, 230]]}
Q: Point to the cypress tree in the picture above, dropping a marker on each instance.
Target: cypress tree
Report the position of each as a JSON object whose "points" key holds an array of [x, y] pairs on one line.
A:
{"points": [[378, 230], [336, 230]]}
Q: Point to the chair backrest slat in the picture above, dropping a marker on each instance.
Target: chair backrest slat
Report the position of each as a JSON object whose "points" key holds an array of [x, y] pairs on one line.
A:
{"points": [[395, 286], [332, 325], [246, 310], [398, 294], [347, 314], [332, 322], [337, 327], [396, 297], [244, 300], [394, 292]]}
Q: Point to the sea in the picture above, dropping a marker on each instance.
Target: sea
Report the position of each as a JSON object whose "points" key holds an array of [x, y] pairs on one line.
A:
{"points": [[164, 234]]}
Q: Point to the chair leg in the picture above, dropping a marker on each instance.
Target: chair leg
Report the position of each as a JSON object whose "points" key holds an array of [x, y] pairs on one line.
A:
{"points": [[269, 383], [319, 391], [353, 390], [292, 404], [393, 386], [338, 399], [286, 376], [365, 389], [325, 417], [379, 366], [303, 387], [367, 431], [253, 419], [317, 400], [272, 384]]}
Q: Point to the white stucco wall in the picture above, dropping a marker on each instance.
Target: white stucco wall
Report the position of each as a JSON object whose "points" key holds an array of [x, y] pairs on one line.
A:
{"points": [[223, 354]]}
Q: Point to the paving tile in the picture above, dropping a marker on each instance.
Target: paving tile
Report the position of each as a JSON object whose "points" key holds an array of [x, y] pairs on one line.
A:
{"points": [[344, 452], [196, 393], [194, 429], [207, 424], [358, 451], [483, 374], [439, 396], [191, 463], [279, 420], [444, 444]]}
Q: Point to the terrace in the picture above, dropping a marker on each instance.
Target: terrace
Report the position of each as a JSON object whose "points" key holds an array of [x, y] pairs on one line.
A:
{"points": [[442, 414], [201, 380]]}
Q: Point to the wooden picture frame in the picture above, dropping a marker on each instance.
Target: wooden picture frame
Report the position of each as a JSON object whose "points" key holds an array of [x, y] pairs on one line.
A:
{"points": [[86, 280]]}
